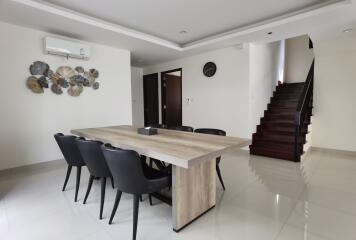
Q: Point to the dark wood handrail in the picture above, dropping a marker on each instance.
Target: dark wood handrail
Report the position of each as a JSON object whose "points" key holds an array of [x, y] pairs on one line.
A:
{"points": [[304, 106]]}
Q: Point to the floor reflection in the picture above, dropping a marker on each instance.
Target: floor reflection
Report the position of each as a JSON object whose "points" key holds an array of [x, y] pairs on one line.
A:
{"points": [[281, 177]]}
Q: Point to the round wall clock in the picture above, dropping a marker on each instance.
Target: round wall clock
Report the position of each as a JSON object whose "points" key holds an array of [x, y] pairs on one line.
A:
{"points": [[209, 69]]}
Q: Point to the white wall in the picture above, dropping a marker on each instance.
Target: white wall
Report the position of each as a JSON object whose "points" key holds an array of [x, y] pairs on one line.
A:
{"points": [[220, 101], [266, 69], [334, 121], [245, 81], [28, 121], [298, 59], [137, 96]]}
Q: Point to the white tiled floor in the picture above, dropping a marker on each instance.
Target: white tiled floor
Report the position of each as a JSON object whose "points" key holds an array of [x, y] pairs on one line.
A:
{"points": [[265, 199]]}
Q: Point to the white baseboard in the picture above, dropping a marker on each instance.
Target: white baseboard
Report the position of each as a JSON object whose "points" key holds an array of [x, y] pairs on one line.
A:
{"points": [[331, 150], [32, 167]]}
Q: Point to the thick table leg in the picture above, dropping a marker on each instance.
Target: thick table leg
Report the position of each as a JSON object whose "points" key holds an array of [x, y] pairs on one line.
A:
{"points": [[193, 192]]}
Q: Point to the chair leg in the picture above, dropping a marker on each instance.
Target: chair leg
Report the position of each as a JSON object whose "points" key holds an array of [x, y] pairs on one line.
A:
{"points": [[150, 199], [159, 164], [112, 182], [79, 170], [69, 169], [151, 162], [135, 215], [219, 175], [91, 179], [103, 186], [116, 204]]}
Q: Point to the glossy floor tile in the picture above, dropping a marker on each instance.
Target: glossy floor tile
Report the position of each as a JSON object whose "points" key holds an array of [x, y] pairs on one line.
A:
{"points": [[325, 222], [293, 233], [264, 199]]}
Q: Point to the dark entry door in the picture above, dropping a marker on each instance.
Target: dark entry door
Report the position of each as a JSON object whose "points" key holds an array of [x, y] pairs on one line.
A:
{"points": [[171, 86], [150, 99]]}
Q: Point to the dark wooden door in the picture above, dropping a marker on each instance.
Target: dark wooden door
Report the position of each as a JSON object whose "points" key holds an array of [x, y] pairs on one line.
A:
{"points": [[171, 86], [150, 99]]}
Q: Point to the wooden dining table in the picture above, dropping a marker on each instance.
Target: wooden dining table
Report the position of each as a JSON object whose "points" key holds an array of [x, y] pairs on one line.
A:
{"points": [[193, 158]]}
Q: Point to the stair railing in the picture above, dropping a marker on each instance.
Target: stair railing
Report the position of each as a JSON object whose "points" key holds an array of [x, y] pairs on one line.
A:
{"points": [[304, 108]]}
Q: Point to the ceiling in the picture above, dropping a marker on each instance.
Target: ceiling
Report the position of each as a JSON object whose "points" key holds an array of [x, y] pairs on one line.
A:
{"points": [[200, 18], [151, 29]]}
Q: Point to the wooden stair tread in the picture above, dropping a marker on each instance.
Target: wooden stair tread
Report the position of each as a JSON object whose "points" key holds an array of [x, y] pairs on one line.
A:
{"points": [[281, 121], [277, 138], [282, 147], [273, 154], [280, 132]]}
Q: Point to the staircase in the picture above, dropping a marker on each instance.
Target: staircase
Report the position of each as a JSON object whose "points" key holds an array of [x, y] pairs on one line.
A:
{"points": [[282, 131]]}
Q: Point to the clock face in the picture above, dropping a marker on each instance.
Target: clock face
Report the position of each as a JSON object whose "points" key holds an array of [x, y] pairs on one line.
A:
{"points": [[209, 69]]}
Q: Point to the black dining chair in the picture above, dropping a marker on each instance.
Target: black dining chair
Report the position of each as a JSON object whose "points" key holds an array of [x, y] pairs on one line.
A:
{"points": [[213, 131], [97, 166], [159, 164], [132, 177], [183, 128], [72, 156]]}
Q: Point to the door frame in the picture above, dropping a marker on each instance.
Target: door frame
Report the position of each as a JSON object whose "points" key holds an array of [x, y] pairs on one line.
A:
{"points": [[163, 96], [144, 97]]}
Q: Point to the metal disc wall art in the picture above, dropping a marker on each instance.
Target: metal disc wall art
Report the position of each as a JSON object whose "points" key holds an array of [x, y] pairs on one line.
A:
{"points": [[43, 82], [93, 73], [63, 83], [91, 79], [79, 69], [75, 90], [65, 71], [54, 77], [96, 86], [33, 84], [56, 89], [64, 77], [39, 68]]}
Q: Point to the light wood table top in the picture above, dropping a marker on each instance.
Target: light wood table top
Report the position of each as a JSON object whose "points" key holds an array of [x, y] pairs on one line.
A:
{"points": [[183, 149]]}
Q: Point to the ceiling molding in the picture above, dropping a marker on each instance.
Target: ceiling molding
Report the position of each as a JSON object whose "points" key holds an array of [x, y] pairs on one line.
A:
{"points": [[270, 23], [260, 26], [96, 22]]}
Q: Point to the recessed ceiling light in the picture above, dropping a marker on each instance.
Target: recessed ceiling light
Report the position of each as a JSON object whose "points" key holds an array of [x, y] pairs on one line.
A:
{"points": [[269, 33], [183, 32], [348, 30]]}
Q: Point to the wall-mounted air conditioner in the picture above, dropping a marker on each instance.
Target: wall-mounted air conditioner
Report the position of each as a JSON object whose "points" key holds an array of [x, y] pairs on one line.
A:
{"points": [[66, 48]]}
